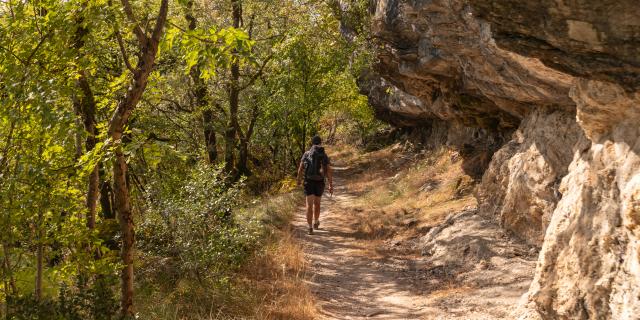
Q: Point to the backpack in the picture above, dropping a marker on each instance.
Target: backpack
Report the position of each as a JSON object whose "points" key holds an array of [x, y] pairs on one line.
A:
{"points": [[313, 162]]}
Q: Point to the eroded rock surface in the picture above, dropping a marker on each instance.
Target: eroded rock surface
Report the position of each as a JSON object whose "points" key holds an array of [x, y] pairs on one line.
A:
{"points": [[520, 186], [592, 39], [438, 61], [439, 53], [589, 266], [556, 83]]}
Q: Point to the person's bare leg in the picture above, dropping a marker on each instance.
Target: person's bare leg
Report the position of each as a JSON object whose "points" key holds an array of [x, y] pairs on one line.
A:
{"points": [[316, 209], [310, 202]]}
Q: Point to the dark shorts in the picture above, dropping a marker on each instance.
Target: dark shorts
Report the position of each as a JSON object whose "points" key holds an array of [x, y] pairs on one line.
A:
{"points": [[313, 188]]}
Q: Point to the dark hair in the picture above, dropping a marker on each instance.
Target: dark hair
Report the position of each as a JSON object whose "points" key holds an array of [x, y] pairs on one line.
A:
{"points": [[316, 140]]}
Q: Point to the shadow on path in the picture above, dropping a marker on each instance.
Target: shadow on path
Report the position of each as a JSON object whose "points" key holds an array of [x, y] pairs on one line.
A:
{"points": [[347, 281]]}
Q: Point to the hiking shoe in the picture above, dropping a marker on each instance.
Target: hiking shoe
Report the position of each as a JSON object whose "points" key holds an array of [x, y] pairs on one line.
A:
{"points": [[310, 230], [316, 225]]}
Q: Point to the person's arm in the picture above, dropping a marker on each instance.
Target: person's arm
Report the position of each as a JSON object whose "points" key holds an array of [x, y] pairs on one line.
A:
{"points": [[330, 177], [300, 170]]}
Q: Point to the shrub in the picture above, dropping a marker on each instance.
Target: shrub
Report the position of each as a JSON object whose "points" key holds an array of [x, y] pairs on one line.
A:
{"points": [[192, 226], [93, 300]]}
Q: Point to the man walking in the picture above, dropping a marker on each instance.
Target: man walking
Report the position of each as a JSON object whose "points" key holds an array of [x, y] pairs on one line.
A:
{"points": [[316, 168]]}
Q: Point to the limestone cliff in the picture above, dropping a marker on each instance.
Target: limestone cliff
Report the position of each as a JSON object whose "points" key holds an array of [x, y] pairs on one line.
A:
{"points": [[555, 83]]}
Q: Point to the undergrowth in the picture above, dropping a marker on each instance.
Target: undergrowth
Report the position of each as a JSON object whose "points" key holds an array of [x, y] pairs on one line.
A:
{"points": [[247, 266]]}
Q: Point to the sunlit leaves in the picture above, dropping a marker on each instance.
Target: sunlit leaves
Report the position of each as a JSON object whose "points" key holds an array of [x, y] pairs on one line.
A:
{"points": [[42, 189], [294, 70], [209, 48]]}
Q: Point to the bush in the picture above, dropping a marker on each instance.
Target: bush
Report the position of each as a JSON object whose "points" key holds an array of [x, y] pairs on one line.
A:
{"points": [[94, 300], [192, 228]]}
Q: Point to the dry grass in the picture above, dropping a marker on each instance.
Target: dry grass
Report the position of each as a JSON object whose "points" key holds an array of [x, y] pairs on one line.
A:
{"points": [[271, 284], [279, 276], [401, 193]]}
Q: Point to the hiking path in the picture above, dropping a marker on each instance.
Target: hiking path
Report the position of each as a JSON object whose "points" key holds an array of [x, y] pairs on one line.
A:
{"points": [[351, 278]]}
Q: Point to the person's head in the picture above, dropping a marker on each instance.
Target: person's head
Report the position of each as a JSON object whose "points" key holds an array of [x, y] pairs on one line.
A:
{"points": [[316, 140]]}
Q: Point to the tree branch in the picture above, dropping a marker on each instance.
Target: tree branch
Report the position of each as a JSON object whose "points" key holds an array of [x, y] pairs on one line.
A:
{"points": [[33, 53], [27, 62], [160, 21], [257, 74], [137, 30], [125, 57], [141, 75], [13, 55]]}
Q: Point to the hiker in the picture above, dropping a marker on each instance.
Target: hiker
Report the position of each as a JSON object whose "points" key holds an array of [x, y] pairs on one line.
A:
{"points": [[316, 168]]}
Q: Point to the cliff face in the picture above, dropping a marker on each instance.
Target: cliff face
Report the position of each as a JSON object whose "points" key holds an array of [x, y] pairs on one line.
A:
{"points": [[589, 265], [591, 39], [438, 61], [554, 85], [521, 185]]}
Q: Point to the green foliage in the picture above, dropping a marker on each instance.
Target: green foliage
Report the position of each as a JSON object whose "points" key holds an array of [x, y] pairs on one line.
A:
{"points": [[296, 77], [191, 222], [94, 301], [210, 49]]}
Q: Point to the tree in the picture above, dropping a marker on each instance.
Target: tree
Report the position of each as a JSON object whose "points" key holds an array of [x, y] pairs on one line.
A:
{"points": [[201, 95], [148, 48], [234, 93]]}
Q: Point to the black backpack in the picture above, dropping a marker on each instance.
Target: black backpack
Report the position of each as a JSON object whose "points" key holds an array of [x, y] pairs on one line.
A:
{"points": [[313, 162]]}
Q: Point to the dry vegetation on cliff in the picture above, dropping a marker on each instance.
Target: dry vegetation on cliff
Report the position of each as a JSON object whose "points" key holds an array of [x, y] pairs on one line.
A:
{"points": [[400, 186]]}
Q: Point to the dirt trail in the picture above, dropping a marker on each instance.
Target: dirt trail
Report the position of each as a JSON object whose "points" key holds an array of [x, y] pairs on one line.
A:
{"points": [[348, 282], [353, 279]]}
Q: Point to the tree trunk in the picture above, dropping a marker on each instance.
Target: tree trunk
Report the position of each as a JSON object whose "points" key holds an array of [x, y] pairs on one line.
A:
{"points": [[106, 196], [7, 236], [88, 111], [304, 138], [243, 158], [210, 135], [39, 257], [86, 107], [123, 206], [245, 138], [234, 95], [7, 269], [120, 118], [6, 295], [79, 136], [230, 134], [107, 209], [202, 98]]}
